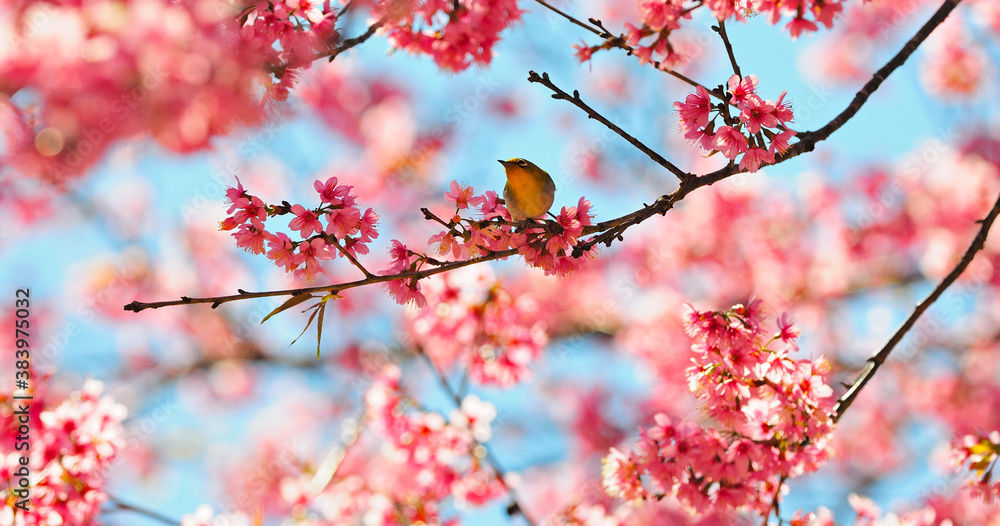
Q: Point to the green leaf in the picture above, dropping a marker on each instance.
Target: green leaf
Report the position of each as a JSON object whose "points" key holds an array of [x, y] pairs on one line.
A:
{"points": [[319, 327], [291, 302], [308, 323]]}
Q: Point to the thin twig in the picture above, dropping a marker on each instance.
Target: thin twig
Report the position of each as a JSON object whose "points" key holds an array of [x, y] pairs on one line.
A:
{"points": [[895, 62], [621, 43], [721, 29], [500, 473], [618, 41], [138, 306], [352, 259], [807, 142], [351, 42], [345, 9], [119, 505], [574, 99], [774, 503], [571, 19], [428, 215], [879, 357]]}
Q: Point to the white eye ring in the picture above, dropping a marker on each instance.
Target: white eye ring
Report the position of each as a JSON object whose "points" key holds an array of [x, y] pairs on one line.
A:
{"points": [[522, 163]]}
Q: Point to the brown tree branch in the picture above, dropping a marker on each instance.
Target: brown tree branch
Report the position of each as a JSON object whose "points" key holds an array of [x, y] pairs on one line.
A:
{"points": [[571, 19], [343, 10], [574, 99], [721, 30], [351, 42], [619, 42], [352, 259], [138, 306], [879, 76], [611, 230], [879, 357]]}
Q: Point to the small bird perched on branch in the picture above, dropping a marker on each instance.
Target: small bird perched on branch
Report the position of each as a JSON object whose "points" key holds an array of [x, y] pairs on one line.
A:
{"points": [[529, 191]]}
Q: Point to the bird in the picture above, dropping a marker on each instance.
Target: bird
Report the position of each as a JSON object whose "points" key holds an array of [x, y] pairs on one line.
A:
{"points": [[529, 191]]}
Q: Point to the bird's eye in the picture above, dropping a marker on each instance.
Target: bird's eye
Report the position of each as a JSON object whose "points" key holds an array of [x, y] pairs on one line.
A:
{"points": [[522, 163]]}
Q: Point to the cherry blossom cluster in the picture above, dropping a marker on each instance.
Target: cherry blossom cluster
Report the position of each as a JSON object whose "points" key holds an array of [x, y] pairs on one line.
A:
{"points": [[659, 19], [771, 417], [335, 227], [806, 13], [651, 40], [456, 34], [978, 453], [473, 320], [184, 71], [758, 133], [72, 447], [104, 71], [408, 463], [303, 30], [443, 456], [546, 245], [404, 290]]}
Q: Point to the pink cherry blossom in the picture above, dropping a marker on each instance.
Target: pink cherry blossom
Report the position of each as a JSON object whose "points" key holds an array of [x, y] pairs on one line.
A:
{"points": [[306, 221], [406, 291], [620, 477], [308, 257], [583, 51], [251, 237], [72, 449], [754, 158], [462, 196], [455, 34], [475, 415], [695, 108], [788, 331], [331, 192], [101, 82], [865, 508], [783, 110], [978, 454], [486, 329], [490, 208], [343, 222], [779, 143], [730, 141], [741, 89], [446, 244], [425, 443], [302, 257], [281, 250], [798, 25], [769, 429], [757, 113], [367, 226]]}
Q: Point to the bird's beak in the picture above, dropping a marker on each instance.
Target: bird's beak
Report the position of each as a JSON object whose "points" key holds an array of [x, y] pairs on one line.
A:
{"points": [[502, 162]]}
